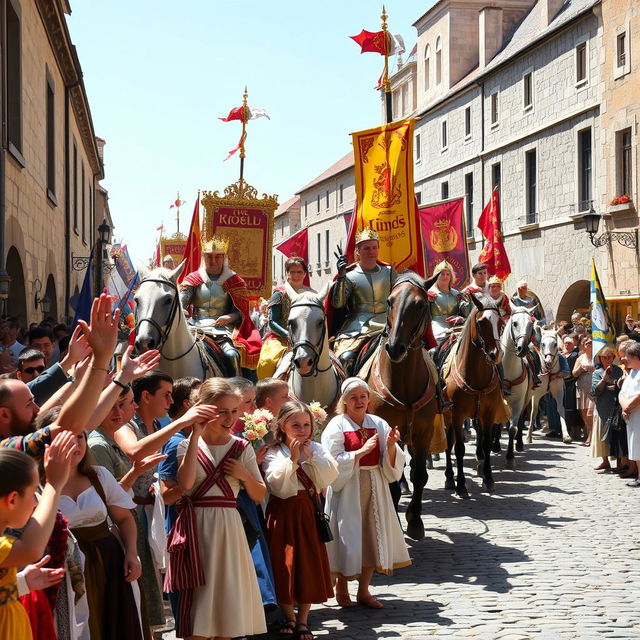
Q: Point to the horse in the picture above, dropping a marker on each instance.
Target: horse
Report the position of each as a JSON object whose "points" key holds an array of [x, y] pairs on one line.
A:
{"points": [[311, 370], [472, 384], [403, 390], [515, 341], [552, 383], [161, 324]]}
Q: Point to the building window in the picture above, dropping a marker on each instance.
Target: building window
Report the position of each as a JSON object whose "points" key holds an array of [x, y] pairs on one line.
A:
{"points": [[495, 175], [494, 109], [468, 195], [326, 198], [318, 204], [319, 249], [467, 122], [621, 49], [438, 60], [418, 197], [443, 137], [418, 149], [625, 186], [326, 247], [51, 139], [527, 87], [84, 210], [306, 209], [404, 94], [444, 190], [531, 186], [584, 169], [74, 186], [427, 67], [581, 63], [14, 79], [341, 192]]}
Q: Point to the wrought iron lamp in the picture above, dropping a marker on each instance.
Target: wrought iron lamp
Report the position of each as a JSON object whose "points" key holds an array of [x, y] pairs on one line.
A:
{"points": [[627, 239], [45, 302]]}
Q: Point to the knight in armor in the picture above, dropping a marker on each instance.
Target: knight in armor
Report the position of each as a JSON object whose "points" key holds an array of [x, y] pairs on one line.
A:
{"points": [[359, 294], [446, 303], [497, 294], [525, 298], [276, 341], [218, 301]]}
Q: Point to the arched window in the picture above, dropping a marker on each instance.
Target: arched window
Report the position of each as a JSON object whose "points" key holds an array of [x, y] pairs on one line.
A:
{"points": [[427, 67], [438, 60]]}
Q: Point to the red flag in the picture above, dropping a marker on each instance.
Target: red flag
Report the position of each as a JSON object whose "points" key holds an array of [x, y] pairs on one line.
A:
{"points": [[297, 246], [193, 249], [373, 41], [158, 260], [493, 253], [243, 137], [177, 203], [237, 113]]}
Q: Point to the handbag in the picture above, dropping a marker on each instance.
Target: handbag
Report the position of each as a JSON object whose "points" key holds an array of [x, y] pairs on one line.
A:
{"points": [[322, 519]]}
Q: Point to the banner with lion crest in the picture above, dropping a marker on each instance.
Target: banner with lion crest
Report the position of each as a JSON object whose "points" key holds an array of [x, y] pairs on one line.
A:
{"points": [[385, 199], [444, 238]]}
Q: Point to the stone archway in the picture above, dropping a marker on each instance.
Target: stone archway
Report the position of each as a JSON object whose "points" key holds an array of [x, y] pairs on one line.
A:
{"points": [[17, 302], [50, 292], [575, 297]]}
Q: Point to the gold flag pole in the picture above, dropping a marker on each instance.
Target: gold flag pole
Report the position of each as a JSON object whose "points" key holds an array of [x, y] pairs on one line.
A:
{"points": [[178, 213], [386, 85], [245, 117]]}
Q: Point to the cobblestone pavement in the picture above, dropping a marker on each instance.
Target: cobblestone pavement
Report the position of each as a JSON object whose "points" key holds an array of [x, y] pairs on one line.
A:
{"points": [[553, 553]]}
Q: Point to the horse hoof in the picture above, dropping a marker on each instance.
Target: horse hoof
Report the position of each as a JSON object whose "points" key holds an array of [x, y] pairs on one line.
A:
{"points": [[488, 486], [429, 464], [415, 529], [510, 463], [462, 492], [449, 484], [519, 447], [496, 448], [567, 440]]}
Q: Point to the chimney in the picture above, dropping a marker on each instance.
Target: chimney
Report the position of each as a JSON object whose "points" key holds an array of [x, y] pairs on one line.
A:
{"points": [[490, 33], [548, 11]]}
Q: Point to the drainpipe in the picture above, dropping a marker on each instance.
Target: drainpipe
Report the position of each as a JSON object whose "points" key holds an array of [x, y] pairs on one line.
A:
{"points": [[4, 276]]}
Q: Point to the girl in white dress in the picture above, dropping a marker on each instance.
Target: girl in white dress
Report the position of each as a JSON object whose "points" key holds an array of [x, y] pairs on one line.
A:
{"points": [[629, 399], [367, 536], [209, 559]]}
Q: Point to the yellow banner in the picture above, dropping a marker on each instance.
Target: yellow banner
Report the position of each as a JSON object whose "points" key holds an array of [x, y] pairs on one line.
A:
{"points": [[385, 199]]}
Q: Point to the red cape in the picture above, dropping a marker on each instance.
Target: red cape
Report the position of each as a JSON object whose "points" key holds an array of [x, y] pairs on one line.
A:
{"points": [[246, 337]]}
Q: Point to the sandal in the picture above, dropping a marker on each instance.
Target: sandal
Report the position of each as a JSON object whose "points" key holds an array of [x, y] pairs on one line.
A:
{"points": [[344, 600], [602, 466], [288, 629], [303, 633], [371, 602]]}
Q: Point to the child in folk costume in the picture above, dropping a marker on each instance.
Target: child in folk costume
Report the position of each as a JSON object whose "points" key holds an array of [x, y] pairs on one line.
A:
{"points": [[367, 536], [296, 471], [209, 559]]}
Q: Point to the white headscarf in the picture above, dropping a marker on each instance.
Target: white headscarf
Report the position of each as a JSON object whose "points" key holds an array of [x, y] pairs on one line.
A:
{"points": [[353, 383]]}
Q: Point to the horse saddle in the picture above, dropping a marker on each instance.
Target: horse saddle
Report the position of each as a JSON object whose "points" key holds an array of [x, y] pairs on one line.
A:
{"points": [[367, 351], [217, 360]]}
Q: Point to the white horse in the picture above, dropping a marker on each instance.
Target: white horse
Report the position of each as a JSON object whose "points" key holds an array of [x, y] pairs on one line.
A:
{"points": [[161, 324], [308, 367], [550, 357], [515, 341]]}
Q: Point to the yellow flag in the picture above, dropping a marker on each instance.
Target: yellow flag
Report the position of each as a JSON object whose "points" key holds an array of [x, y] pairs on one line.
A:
{"points": [[385, 199]]}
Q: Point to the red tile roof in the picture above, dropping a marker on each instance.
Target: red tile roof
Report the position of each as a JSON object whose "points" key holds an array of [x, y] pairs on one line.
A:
{"points": [[343, 164]]}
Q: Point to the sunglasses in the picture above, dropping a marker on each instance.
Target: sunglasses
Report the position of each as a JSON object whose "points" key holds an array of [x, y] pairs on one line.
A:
{"points": [[31, 370]]}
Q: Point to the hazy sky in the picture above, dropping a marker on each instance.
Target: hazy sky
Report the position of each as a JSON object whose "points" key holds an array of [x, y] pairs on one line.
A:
{"points": [[160, 73]]}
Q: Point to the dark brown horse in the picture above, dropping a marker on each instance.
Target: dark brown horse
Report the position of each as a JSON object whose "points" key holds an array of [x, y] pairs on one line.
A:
{"points": [[473, 386], [402, 387]]}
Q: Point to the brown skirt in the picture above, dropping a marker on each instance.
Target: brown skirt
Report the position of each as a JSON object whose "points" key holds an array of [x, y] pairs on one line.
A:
{"points": [[298, 556]]}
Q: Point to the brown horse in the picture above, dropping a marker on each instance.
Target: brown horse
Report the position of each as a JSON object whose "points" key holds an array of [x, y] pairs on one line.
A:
{"points": [[473, 386], [402, 387]]}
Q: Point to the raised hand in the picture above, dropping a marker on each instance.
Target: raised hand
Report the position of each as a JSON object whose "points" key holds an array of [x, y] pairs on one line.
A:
{"points": [[199, 414], [134, 368], [140, 466], [58, 458], [38, 577], [102, 333], [342, 262], [393, 437], [294, 447], [78, 349]]}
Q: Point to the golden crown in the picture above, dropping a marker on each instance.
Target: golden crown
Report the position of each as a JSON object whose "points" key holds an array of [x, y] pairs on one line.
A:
{"points": [[366, 234], [495, 280], [443, 265], [217, 244]]}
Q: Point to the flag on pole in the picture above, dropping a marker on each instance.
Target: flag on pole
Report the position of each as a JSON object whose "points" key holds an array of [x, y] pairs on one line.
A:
{"points": [[193, 249], [602, 329], [493, 254], [235, 149], [85, 299], [252, 114], [297, 246], [371, 41], [177, 203]]}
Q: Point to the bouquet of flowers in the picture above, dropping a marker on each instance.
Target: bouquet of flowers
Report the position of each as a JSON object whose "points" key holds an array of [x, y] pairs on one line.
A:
{"points": [[256, 425], [319, 417]]}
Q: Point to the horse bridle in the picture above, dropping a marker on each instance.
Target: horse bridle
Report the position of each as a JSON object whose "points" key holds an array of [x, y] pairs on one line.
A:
{"points": [[417, 333], [307, 343], [520, 335], [479, 340], [164, 333]]}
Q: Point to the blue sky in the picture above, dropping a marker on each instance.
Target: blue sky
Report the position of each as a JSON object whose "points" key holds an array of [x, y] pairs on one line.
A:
{"points": [[159, 74]]}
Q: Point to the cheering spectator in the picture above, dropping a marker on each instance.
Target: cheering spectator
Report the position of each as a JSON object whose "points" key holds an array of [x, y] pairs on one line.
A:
{"points": [[30, 365], [630, 404], [582, 372], [366, 532], [42, 339]]}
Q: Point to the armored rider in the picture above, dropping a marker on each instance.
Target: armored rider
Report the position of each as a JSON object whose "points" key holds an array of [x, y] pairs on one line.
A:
{"points": [[220, 306], [359, 293], [446, 303]]}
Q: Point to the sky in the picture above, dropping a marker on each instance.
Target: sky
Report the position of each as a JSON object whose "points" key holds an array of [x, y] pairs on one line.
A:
{"points": [[159, 74]]}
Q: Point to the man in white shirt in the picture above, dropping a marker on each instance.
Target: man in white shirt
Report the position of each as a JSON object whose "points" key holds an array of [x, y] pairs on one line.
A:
{"points": [[9, 340]]}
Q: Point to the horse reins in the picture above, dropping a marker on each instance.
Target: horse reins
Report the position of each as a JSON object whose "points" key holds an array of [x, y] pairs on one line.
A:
{"points": [[479, 340], [316, 348]]}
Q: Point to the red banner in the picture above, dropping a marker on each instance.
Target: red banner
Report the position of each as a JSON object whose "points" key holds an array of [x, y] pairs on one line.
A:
{"points": [[193, 248], [493, 254], [297, 246], [249, 244], [444, 238]]}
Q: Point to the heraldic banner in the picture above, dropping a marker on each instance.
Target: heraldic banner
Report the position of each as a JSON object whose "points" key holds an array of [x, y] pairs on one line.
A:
{"points": [[385, 199], [444, 238]]}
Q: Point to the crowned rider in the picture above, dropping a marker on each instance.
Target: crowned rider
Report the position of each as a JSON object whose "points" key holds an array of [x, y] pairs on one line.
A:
{"points": [[360, 293], [446, 303], [276, 342], [220, 306], [497, 294]]}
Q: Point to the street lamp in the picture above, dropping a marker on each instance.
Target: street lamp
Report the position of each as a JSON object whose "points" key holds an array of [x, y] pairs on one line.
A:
{"points": [[45, 302], [104, 235], [591, 219], [104, 232]]}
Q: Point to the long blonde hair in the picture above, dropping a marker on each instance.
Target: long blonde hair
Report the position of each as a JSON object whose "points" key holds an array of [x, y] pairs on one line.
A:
{"points": [[213, 389], [289, 409]]}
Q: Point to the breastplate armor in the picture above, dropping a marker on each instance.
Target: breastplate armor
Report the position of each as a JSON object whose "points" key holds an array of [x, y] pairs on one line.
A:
{"points": [[210, 301], [446, 304], [368, 301]]}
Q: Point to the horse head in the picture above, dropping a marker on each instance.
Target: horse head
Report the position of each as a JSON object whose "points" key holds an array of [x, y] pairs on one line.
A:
{"points": [[485, 334], [549, 348], [157, 304], [407, 315], [521, 328], [307, 332]]}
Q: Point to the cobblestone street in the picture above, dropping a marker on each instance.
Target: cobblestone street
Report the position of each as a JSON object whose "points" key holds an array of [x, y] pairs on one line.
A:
{"points": [[551, 554]]}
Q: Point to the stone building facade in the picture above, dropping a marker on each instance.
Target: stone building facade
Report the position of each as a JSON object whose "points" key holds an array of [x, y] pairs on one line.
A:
{"points": [[51, 161], [286, 223]]}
